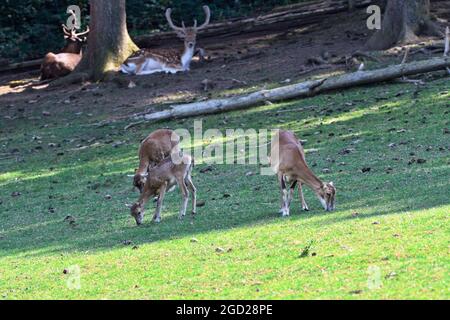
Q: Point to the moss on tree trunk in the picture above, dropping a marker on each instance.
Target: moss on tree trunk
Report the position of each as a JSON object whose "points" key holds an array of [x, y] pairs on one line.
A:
{"points": [[109, 43], [403, 22]]}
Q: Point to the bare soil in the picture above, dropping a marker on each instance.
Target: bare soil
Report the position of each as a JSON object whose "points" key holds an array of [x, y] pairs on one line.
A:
{"points": [[243, 62]]}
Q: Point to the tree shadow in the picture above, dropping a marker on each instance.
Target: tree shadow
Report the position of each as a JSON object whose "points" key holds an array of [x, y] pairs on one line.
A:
{"points": [[28, 229]]}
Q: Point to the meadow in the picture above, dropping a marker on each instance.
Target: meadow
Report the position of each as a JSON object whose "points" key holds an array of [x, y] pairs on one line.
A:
{"points": [[66, 233]]}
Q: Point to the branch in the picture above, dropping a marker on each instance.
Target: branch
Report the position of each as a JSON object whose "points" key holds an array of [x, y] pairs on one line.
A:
{"points": [[299, 90], [447, 42], [447, 45]]}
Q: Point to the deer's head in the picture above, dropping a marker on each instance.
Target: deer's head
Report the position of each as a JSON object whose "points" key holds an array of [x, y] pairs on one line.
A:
{"points": [[137, 212], [74, 40], [327, 195], [188, 34]]}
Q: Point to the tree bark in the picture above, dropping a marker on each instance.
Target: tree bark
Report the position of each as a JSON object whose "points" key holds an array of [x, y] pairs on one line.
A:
{"points": [[403, 22], [108, 43]]}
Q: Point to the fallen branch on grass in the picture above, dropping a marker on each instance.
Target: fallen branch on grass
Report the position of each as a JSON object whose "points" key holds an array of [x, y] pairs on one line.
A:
{"points": [[447, 44], [299, 90]]}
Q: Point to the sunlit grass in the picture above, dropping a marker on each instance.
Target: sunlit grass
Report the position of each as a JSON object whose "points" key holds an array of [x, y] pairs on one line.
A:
{"points": [[392, 219]]}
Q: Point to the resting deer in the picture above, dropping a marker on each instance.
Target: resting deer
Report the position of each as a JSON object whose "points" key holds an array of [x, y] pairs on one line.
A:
{"points": [[61, 64], [146, 61], [287, 159], [161, 179]]}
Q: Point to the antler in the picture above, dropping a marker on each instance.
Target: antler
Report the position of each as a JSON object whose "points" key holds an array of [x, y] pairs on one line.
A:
{"points": [[169, 20], [65, 28], [82, 33], [183, 27], [71, 33], [208, 16]]}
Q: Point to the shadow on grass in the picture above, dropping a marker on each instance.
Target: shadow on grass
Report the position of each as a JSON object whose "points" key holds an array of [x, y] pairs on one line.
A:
{"points": [[27, 228]]}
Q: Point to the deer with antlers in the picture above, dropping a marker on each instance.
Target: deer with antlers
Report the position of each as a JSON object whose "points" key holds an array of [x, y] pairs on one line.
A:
{"points": [[61, 64], [146, 61]]}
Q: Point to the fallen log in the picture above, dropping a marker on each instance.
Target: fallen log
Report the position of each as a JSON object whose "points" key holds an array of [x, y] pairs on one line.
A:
{"points": [[299, 90], [279, 18], [21, 65]]}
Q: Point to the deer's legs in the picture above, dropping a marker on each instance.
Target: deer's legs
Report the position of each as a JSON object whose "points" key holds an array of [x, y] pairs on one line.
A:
{"points": [[185, 195], [159, 202], [281, 182], [302, 198], [284, 195], [191, 188], [200, 52], [291, 192]]}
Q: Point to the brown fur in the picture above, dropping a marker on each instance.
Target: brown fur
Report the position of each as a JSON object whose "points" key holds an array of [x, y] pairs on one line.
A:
{"points": [[158, 145], [160, 179], [291, 166], [61, 64]]}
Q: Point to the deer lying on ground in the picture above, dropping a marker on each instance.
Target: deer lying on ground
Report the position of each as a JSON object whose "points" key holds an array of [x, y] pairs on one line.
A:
{"points": [[148, 61], [287, 159], [161, 179], [61, 64], [158, 145]]}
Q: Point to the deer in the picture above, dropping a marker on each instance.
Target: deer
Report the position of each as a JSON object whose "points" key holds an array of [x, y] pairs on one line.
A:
{"points": [[153, 149], [163, 178], [148, 61], [61, 64], [287, 159]]}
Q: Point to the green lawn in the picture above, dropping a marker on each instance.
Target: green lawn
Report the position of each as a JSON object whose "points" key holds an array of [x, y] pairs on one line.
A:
{"points": [[388, 238]]}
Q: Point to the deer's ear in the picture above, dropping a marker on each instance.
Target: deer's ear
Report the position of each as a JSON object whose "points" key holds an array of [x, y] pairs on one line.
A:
{"points": [[181, 34], [331, 183]]}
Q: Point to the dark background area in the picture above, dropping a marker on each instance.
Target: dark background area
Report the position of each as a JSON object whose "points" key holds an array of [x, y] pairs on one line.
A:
{"points": [[31, 28]]}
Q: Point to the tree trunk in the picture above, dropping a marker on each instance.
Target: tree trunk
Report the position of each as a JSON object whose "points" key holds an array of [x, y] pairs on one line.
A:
{"points": [[108, 43], [403, 22]]}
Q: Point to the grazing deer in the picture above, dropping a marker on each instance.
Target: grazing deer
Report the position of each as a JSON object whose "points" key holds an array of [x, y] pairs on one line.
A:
{"points": [[163, 177], [146, 61], [287, 159], [61, 64], [158, 145]]}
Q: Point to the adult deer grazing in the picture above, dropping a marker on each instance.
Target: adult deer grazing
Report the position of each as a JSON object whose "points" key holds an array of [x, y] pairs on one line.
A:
{"points": [[287, 159], [158, 145], [161, 178], [148, 61], [61, 64]]}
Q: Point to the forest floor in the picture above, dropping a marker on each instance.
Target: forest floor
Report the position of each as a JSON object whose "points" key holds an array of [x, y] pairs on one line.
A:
{"points": [[65, 231], [236, 64]]}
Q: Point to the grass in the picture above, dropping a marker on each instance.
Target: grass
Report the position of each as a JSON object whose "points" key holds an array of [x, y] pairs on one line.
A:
{"points": [[388, 238]]}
